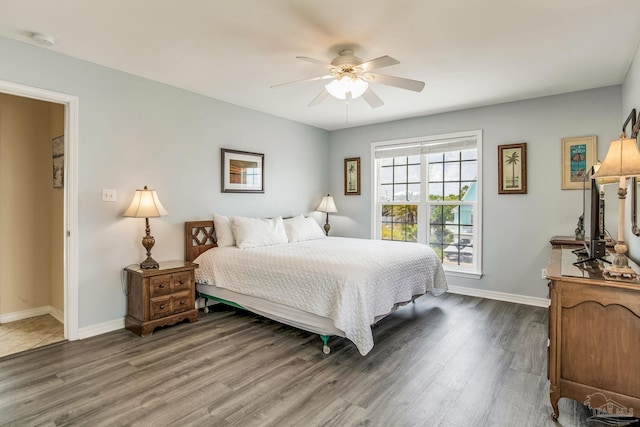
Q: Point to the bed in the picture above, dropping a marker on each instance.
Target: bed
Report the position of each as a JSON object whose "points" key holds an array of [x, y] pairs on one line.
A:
{"points": [[330, 286]]}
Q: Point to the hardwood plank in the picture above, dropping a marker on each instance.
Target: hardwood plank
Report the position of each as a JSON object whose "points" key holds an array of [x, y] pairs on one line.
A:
{"points": [[446, 361]]}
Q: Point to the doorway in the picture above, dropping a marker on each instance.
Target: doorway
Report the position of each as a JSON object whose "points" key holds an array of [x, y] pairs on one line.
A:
{"points": [[68, 203]]}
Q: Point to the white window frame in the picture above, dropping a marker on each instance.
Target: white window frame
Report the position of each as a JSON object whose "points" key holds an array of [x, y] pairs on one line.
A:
{"points": [[475, 271]]}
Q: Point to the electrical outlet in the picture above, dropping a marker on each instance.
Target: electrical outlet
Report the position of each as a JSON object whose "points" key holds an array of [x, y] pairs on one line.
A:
{"points": [[108, 195], [544, 274]]}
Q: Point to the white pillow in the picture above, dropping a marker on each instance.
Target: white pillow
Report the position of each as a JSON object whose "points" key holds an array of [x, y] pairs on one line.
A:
{"points": [[293, 218], [254, 232], [224, 234], [299, 230]]}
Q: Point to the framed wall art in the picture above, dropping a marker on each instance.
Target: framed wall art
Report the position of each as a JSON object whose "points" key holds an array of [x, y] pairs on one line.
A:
{"points": [[57, 150], [512, 168], [242, 172], [578, 155], [352, 176]]}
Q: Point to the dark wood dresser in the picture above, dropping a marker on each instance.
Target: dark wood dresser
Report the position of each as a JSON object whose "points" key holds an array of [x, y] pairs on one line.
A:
{"points": [[594, 337], [160, 296]]}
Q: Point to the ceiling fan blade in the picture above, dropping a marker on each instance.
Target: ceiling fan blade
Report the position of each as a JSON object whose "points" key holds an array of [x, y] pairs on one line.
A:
{"points": [[383, 61], [372, 99], [328, 76], [313, 60], [318, 99], [400, 82]]}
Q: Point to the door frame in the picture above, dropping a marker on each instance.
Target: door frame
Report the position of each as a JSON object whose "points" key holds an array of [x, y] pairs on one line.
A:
{"points": [[70, 102]]}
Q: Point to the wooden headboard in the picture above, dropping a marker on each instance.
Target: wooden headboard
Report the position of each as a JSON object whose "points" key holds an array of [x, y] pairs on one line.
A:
{"points": [[198, 237]]}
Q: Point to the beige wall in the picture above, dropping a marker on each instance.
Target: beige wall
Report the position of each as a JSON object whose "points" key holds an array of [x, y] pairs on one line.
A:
{"points": [[27, 249]]}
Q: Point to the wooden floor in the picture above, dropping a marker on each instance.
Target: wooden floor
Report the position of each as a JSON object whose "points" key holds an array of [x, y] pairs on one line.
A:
{"points": [[443, 361]]}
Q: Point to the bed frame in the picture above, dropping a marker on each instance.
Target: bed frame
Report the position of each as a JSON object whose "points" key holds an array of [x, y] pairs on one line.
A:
{"points": [[200, 237]]}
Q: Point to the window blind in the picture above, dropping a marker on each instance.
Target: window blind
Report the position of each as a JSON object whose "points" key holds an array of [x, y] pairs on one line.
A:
{"points": [[424, 147]]}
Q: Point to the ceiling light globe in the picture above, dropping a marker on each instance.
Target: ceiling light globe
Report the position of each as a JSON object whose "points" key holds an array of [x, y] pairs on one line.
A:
{"points": [[336, 89], [341, 86], [358, 87]]}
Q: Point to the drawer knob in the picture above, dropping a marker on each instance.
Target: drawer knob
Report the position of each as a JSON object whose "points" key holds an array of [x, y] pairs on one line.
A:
{"points": [[182, 282], [162, 307], [182, 302], [162, 285]]}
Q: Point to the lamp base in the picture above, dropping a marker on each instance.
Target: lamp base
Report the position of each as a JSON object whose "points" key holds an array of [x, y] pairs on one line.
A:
{"points": [[149, 263], [148, 241], [616, 273], [327, 227], [619, 268]]}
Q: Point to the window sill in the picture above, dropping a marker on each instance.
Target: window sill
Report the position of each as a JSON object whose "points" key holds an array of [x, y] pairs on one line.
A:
{"points": [[465, 274]]}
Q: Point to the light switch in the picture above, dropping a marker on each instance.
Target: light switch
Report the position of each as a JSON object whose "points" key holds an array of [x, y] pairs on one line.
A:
{"points": [[108, 195]]}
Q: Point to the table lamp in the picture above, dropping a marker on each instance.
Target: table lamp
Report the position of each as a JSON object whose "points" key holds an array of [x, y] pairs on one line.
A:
{"points": [[622, 161], [145, 204], [327, 205]]}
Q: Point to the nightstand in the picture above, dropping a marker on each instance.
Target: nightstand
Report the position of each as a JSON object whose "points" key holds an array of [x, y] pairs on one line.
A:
{"points": [[160, 296]]}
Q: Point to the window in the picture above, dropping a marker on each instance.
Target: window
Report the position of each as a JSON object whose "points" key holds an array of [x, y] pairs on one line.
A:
{"points": [[428, 191]]}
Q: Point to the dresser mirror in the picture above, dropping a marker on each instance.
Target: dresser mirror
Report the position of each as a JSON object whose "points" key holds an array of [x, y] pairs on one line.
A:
{"points": [[634, 206], [635, 128]]}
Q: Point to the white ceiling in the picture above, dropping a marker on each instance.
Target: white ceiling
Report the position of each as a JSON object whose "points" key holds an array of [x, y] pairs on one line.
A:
{"points": [[469, 52]]}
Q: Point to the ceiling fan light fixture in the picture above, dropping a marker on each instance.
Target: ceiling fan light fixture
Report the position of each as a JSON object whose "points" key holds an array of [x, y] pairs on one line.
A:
{"points": [[341, 86]]}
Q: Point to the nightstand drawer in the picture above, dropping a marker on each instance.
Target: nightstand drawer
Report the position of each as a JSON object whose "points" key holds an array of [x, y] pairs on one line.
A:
{"points": [[160, 307], [182, 282], [160, 285], [181, 302], [173, 304]]}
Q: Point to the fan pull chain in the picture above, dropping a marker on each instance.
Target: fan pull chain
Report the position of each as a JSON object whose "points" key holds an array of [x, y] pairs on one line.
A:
{"points": [[346, 107]]}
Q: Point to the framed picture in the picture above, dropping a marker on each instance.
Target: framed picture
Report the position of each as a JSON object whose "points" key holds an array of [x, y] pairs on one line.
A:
{"points": [[578, 155], [57, 150], [242, 172], [352, 176], [512, 169]]}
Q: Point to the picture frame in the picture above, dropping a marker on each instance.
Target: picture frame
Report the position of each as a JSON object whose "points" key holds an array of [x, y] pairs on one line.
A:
{"points": [[57, 152], [352, 176], [242, 171], [512, 168], [578, 155]]}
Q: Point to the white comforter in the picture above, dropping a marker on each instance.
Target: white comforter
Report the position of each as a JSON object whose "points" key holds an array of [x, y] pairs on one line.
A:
{"points": [[350, 281]]}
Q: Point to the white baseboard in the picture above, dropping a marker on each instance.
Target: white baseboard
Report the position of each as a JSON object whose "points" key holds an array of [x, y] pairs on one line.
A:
{"points": [[58, 314], [500, 296], [101, 328], [32, 312]]}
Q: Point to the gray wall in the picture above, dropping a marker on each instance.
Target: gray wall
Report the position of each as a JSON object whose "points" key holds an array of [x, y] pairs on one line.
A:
{"points": [[516, 228], [135, 132]]}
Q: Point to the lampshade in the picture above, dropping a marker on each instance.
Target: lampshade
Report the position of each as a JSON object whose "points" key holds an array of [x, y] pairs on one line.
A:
{"points": [[339, 87], [327, 205], [145, 204], [605, 180], [623, 159]]}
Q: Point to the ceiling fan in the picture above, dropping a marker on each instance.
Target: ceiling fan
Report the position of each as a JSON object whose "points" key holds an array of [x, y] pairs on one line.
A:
{"points": [[351, 77]]}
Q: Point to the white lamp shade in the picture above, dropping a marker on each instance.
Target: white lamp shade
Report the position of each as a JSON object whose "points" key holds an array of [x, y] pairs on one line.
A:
{"points": [[602, 181], [145, 204], [623, 159], [327, 205]]}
